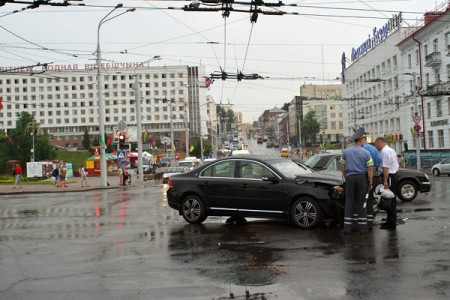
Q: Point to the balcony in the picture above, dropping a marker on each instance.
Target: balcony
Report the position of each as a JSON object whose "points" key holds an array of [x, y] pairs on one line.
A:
{"points": [[433, 59]]}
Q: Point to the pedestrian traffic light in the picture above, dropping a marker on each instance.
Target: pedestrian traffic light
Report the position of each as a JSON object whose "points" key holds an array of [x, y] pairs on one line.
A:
{"points": [[121, 141]]}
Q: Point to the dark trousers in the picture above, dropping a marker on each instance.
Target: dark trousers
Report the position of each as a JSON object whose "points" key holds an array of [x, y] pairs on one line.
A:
{"points": [[391, 218], [356, 187]]}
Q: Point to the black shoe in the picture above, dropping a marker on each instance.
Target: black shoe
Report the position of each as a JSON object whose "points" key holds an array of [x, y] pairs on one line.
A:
{"points": [[388, 227]]}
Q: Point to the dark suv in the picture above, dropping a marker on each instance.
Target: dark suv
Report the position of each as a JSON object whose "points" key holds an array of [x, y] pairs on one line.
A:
{"points": [[410, 182]]}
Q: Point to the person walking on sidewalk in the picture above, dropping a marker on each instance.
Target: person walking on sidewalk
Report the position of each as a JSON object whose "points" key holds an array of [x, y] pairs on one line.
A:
{"points": [[356, 166], [17, 171], [83, 175]]}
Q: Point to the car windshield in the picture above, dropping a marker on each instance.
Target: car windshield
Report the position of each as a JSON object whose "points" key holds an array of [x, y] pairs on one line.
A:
{"points": [[446, 161], [316, 161], [186, 164], [290, 169], [174, 170]]}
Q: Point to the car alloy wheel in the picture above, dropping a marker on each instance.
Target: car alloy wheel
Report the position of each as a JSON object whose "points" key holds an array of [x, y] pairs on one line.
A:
{"points": [[193, 209], [306, 213], [436, 172], [408, 191]]}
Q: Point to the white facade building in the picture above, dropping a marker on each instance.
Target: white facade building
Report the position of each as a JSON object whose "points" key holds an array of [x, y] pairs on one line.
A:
{"points": [[426, 55], [379, 85], [64, 101], [373, 92]]}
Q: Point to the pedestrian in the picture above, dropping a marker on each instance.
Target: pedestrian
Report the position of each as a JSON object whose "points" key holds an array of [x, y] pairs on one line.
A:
{"points": [[120, 170], [388, 176], [55, 174], [83, 175], [125, 174], [17, 172], [376, 179], [63, 175], [356, 166]]}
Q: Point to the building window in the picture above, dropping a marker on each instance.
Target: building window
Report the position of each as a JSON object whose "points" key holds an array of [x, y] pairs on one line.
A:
{"points": [[441, 141], [425, 49], [409, 61], [439, 108], [430, 139], [435, 45], [427, 79], [428, 110]]}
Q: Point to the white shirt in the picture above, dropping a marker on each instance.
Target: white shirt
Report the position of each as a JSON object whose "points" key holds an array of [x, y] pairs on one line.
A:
{"points": [[388, 159]]}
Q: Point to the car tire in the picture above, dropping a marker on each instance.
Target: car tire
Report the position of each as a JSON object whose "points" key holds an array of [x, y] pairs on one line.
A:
{"points": [[436, 172], [193, 210], [306, 213], [407, 191]]}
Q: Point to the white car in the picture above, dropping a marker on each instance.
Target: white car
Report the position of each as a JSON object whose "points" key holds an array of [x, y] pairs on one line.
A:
{"points": [[171, 171], [441, 168]]}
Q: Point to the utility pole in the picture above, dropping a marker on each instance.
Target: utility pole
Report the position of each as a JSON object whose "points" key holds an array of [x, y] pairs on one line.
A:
{"points": [[101, 105], [172, 146], [416, 108], [137, 99]]}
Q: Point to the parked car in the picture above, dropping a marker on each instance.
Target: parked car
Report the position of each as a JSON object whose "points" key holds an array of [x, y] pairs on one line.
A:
{"points": [[410, 182], [171, 171], [441, 168], [257, 187]]}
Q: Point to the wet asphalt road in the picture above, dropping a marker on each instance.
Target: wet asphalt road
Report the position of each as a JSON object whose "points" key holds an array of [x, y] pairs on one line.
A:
{"points": [[127, 244]]}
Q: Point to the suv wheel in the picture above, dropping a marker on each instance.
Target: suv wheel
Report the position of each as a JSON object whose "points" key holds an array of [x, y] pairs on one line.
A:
{"points": [[306, 213], [436, 172], [407, 191], [193, 209]]}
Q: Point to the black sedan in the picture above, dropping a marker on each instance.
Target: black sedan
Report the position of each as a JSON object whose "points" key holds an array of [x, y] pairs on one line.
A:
{"points": [[257, 187], [410, 182]]}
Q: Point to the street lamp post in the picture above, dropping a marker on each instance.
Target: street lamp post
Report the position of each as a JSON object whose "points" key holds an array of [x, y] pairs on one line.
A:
{"points": [[101, 106]]}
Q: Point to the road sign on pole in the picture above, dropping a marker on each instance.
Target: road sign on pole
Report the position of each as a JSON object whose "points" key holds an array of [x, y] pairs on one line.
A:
{"points": [[417, 119], [121, 154]]}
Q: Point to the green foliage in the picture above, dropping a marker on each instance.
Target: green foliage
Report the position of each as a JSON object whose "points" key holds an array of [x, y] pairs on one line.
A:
{"points": [[77, 158], [310, 127], [285, 106], [21, 143], [221, 113], [207, 147], [86, 143]]}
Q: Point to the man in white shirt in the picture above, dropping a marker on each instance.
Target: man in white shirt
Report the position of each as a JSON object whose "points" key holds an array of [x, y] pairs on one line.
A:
{"points": [[388, 175]]}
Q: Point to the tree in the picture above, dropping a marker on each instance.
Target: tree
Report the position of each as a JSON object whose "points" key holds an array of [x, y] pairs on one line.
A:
{"points": [[222, 113], [207, 147], [310, 127], [285, 106], [86, 143], [21, 143]]}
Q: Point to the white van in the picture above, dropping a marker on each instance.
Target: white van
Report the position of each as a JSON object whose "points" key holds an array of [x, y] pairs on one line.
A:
{"points": [[240, 152], [190, 163]]}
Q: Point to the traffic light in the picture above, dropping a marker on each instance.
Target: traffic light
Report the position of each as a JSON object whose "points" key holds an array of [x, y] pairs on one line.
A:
{"points": [[121, 141]]}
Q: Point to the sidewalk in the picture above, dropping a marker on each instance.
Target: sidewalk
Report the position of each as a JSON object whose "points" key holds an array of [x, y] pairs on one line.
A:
{"points": [[94, 183]]}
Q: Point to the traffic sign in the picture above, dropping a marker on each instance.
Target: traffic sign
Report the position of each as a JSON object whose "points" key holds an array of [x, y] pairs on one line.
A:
{"points": [[417, 119], [121, 154]]}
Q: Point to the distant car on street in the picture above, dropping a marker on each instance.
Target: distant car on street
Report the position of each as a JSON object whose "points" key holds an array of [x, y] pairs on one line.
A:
{"points": [[276, 145], [259, 140], [257, 187], [284, 152], [410, 182], [171, 171], [269, 145], [442, 168]]}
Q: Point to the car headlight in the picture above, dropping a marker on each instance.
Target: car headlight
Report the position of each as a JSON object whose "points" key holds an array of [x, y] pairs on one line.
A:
{"points": [[426, 176]]}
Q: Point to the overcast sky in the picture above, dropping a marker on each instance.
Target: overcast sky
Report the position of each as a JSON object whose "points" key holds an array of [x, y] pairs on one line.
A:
{"points": [[290, 50]]}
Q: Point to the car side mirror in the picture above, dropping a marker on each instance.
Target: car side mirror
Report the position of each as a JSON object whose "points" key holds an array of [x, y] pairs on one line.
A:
{"points": [[272, 179]]}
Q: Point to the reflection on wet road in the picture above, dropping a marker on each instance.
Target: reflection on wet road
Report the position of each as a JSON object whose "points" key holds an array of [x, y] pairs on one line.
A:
{"points": [[120, 244]]}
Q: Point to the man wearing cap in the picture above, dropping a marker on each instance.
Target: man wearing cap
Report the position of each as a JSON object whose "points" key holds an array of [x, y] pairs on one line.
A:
{"points": [[356, 166]]}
